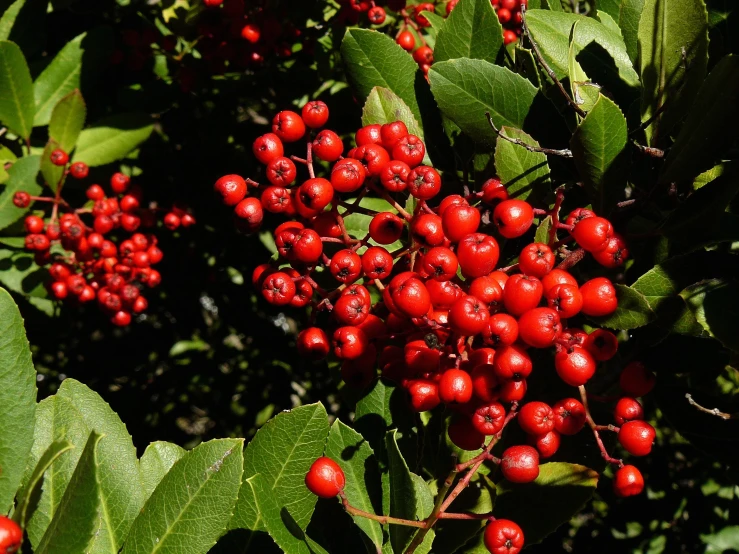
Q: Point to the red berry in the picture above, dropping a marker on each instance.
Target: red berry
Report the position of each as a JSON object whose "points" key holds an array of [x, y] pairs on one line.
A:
{"points": [[121, 318], [251, 33], [391, 133], [614, 254], [520, 464], [494, 191], [557, 277], [539, 327], [536, 259], [439, 263], [348, 175], [489, 418], [349, 343], [250, 214], [509, 36], [268, 147], [232, 189], [288, 126], [504, 15], [79, 170], [487, 290], [601, 344], [409, 149], [513, 391], [547, 444], [468, 316], [627, 409], [427, 229], [424, 182], [502, 536], [351, 310], [386, 228], [171, 221], [455, 387], [369, 134], [59, 290], [593, 233], [394, 176], [578, 215], [628, 481], [464, 435], [59, 157], [459, 221], [376, 15], [34, 224], [485, 382], [636, 379], [575, 366], [325, 478], [423, 55], [313, 343], [565, 299], [409, 295], [521, 294], [598, 297], [11, 536], [569, 416], [424, 395], [477, 254], [278, 288], [536, 418], [636, 437], [315, 114], [281, 172], [513, 218], [21, 199], [406, 40], [327, 146], [501, 329]]}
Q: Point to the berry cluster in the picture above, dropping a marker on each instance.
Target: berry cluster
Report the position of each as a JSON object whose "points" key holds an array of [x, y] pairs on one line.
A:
{"points": [[110, 261], [450, 326]]}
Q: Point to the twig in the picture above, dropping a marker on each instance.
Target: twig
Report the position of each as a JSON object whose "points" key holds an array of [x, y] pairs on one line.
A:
{"points": [[565, 153], [603, 452], [546, 67], [648, 150], [384, 520], [571, 259], [714, 411]]}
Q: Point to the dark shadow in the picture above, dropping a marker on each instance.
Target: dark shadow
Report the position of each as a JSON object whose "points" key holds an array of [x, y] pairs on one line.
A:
{"points": [[600, 67]]}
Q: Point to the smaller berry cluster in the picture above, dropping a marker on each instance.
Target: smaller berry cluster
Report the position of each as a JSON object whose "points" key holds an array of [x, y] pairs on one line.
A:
{"points": [[110, 261]]}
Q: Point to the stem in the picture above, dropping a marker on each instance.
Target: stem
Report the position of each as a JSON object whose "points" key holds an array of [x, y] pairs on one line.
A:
{"points": [[384, 520], [392, 202], [653, 152], [464, 516], [711, 411], [559, 198], [572, 258], [436, 513], [594, 427], [564, 153]]}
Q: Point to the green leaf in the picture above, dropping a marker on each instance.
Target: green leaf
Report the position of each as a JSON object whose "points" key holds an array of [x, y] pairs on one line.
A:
{"points": [[472, 30], [609, 7], [56, 420], [22, 177], [382, 408], [120, 489], [67, 120], [157, 460], [278, 520], [384, 106], [17, 400], [599, 150], [542, 231], [710, 127], [75, 522], [633, 311], [8, 18], [282, 451], [410, 497], [19, 273], [374, 59], [58, 79], [584, 92], [17, 107], [190, 508], [552, 32], [560, 491], [723, 540], [715, 305], [521, 171], [32, 489], [628, 20], [466, 89], [667, 31], [112, 138], [352, 452]]}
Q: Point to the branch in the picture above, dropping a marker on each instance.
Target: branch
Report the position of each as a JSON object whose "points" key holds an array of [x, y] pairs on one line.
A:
{"points": [[594, 427], [564, 153], [384, 520], [653, 152], [714, 411]]}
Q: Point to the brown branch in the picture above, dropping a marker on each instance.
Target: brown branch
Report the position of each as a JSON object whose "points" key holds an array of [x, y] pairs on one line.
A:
{"points": [[711, 411], [565, 153]]}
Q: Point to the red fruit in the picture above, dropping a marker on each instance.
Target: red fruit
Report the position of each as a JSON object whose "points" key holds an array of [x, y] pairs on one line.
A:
{"points": [[427, 229], [464, 435], [536, 259], [79, 170], [315, 114], [487, 290], [637, 437], [409, 295], [423, 7], [376, 15], [313, 343], [566, 300], [477, 254], [409, 149], [502, 536], [121, 318], [59, 290], [444, 294], [513, 391], [450, 6], [489, 418], [351, 310], [373, 156], [172, 221], [424, 395], [627, 409], [349, 343], [494, 191], [593, 233], [423, 55], [129, 203], [575, 366], [424, 182], [512, 363], [21, 199], [119, 182], [268, 147], [509, 36], [455, 386], [313, 196], [59, 157], [598, 297], [459, 221], [637, 380], [569, 416], [369, 134], [521, 294], [578, 215], [449, 201], [232, 189], [547, 444], [281, 172], [601, 344], [539, 327], [501, 329], [468, 316], [288, 126], [484, 382], [251, 33], [391, 133], [520, 464], [513, 218], [348, 175], [327, 146], [614, 254], [345, 266], [420, 358], [377, 263], [34, 224], [628, 481], [394, 176], [439, 263], [250, 213], [536, 418], [504, 15], [557, 277], [406, 40], [325, 478], [386, 228], [278, 288]]}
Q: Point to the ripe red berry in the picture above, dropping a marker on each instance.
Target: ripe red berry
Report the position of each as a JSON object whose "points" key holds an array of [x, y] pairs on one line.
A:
{"points": [[11, 536], [628, 481], [504, 15], [79, 170], [288, 126], [268, 147], [423, 55], [351, 310], [502, 536], [278, 288], [536, 259], [468, 316], [546, 444], [424, 182], [34, 224], [369, 134], [59, 157], [509, 36], [485, 382], [348, 175], [539, 327], [232, 189], [386, 228], [409, 149], [427, 229], [593, 233], [501, 329], [172, 221], [487, 290], [459, 221], [376, 15], [391, 133], [313, 343], [513, 218], [521, 294], [494, 191], [520, 464], [439, 263], [489, 418], [536, 418], [373, 156], [601, 344], [477, 254], [575, 366], [569, 416], [345, 266], [513, 391], [557, 277], [325, 478], [21, 199], [455, 387], [315, 114], [119, 182], [327, 146], [636, 379], [598, 297], [121, 318], [637, 437], [627, 409], [349, 342], [565, 299], [614, 254], [424, 395], [409, 295], [512, 363], [464, 435], [406, 40]]}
